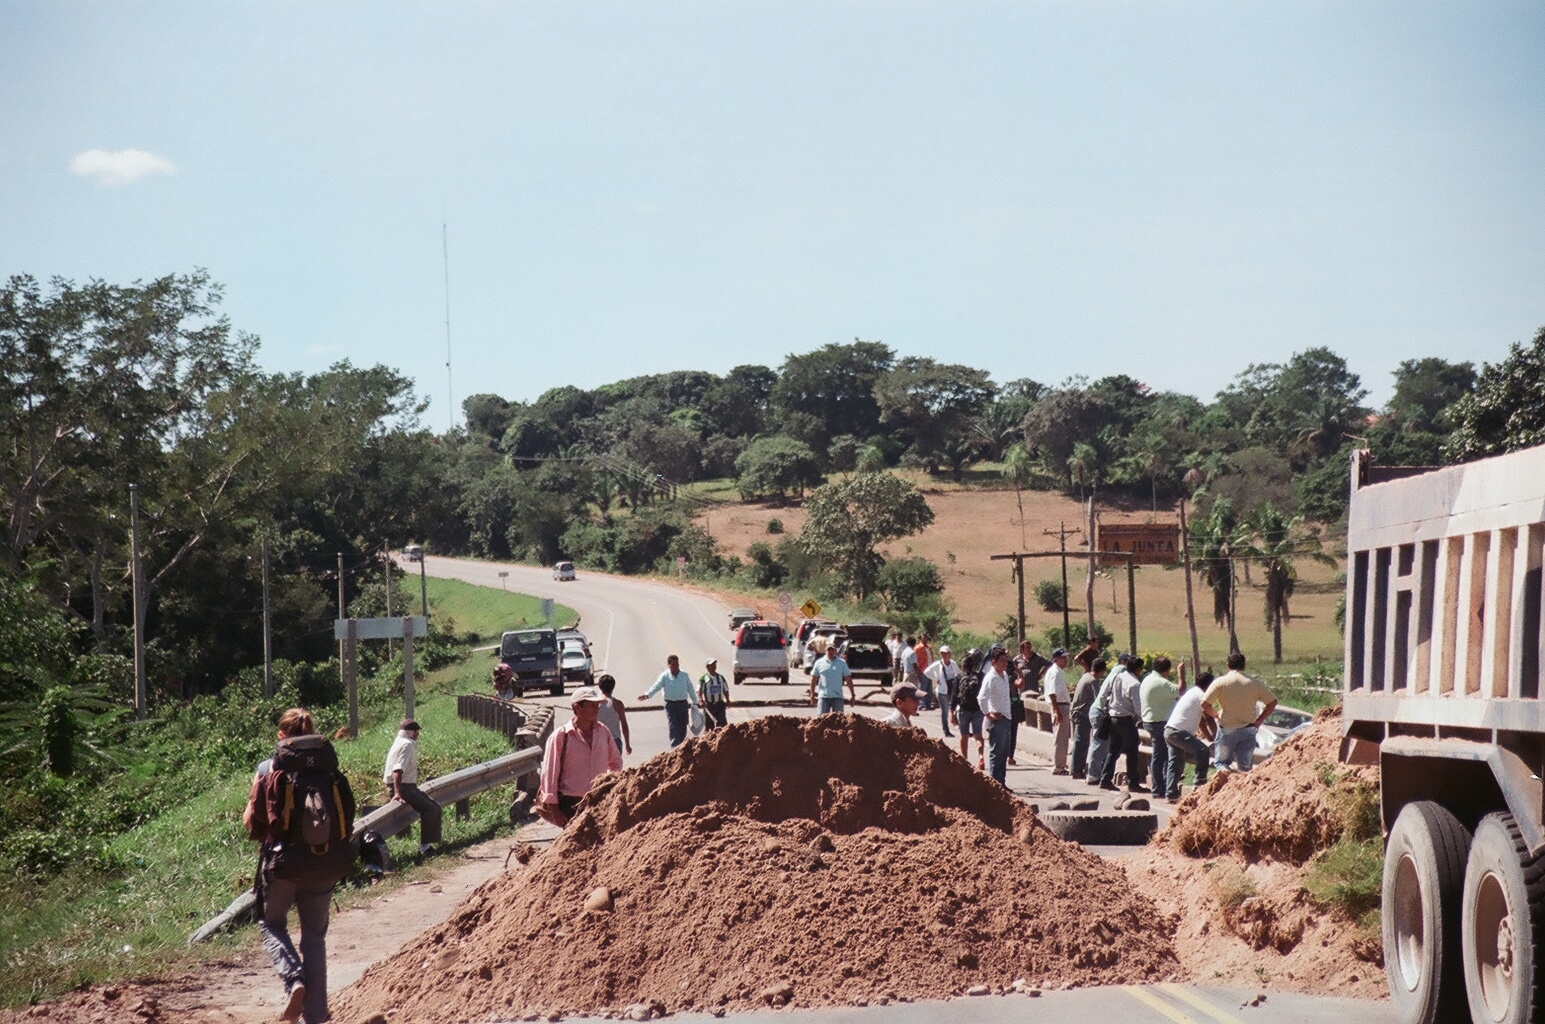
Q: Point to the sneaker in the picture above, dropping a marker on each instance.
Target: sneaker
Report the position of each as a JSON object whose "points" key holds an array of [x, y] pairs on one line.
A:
{"points": [[296, 1003], [1137, 789], [1078, 778], [1109, 785]]}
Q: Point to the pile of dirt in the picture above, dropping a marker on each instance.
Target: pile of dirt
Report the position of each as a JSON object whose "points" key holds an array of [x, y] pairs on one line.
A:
{"points": [[1293, 806], [785, 861], [1232, 863]]}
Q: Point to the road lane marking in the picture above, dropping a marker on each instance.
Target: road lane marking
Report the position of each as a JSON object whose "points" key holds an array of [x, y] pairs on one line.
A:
{"points": [[1149, 999], [1216, 1012]]}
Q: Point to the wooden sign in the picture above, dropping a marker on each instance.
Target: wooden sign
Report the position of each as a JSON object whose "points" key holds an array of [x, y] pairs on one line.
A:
{"points": [[1148, 543]]}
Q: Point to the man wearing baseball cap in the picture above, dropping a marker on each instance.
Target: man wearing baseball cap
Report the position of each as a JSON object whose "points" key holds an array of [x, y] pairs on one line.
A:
{"points": [[904, 697], [576, 754]]}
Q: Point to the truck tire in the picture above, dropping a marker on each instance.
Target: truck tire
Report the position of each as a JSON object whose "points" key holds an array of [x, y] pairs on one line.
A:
{"points": [[1501, 915], [1423, 876], [783, 678], [1102, 828], [556, 691]]}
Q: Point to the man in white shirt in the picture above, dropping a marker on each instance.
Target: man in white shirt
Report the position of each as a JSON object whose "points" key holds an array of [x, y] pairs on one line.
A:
{"points": [[401, 778], [993, 696], [1055, 685], [1183, 735], [944, 673]]}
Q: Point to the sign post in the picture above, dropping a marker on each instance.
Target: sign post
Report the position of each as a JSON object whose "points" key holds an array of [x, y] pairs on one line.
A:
{"points": [[349, 631]]}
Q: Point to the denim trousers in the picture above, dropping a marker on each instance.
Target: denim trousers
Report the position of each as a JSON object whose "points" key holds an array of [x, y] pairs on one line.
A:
{"points": [[828, 705], [1081, 730], [1158, 761], [311, 901], [1098, 747], [1236, 746], [676, 720], [1183, 745], [999, 733]]}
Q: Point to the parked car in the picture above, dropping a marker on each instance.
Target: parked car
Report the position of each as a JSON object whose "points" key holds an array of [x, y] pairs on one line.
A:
{"points": [[761, 650], [1282, 724], [831, 633], [740, 616], [802, 637], [563, 571], [413, 553], [532, 655], [574, 658], [866, 653]]}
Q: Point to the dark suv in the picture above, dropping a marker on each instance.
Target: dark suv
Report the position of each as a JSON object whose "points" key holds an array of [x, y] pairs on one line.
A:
{"points": [[532, 655]]}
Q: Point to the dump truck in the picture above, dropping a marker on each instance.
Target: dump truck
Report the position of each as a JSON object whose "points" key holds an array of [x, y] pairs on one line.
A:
{"points": [[1442, 676]]}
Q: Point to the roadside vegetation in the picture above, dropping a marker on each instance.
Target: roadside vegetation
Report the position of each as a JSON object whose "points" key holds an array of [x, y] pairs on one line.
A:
{"points": [[106, 871]]}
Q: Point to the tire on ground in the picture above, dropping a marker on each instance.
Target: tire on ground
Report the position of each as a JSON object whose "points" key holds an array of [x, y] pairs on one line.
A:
{"points": [[1500, 923], [1424, 862], [1102, 828]]}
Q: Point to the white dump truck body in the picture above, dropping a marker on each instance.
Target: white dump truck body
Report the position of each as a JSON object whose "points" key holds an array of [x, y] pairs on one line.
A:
{"points": [[1444, 649]]}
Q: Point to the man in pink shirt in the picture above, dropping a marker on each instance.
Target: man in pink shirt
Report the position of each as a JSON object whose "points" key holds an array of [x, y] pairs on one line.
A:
{"points": [[575, 755]]}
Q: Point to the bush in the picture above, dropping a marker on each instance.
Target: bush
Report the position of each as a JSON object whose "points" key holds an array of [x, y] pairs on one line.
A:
{"points": [[775, 525], [1048, 594], [765, 570], [1078, 636], [776, 467], [904, 582]]}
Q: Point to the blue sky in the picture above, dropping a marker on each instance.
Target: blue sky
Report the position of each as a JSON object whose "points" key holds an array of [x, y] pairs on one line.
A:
{"points": [[1171, 190]]}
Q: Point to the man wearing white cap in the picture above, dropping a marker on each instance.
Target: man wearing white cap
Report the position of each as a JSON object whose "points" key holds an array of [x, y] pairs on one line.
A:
{"points": [[576, 754]]}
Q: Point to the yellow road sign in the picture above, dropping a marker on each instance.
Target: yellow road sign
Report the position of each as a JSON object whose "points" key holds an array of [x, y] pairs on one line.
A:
{"points": [[810, 608]]}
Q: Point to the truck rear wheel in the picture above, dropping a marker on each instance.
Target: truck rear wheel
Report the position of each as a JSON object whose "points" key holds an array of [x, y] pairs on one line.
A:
{"points": [[1423, 874], [1503, 906]]}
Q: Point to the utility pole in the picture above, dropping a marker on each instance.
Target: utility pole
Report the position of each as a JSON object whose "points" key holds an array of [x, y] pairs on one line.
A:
{"points": [[140, 699], [386, 559], [268, 630], [1061, 533], [343, 652], [1093, 567]]}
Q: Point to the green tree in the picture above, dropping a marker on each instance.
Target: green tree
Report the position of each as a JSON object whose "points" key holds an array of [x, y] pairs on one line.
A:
{"points": [[834, 385], [1216, 539], [1018, 469], [1425, 389], [848, 519], [1277, 541], [904, 582], [1506, 409], [776, 467], [934, 406], [487, 415], [1302, 409]]}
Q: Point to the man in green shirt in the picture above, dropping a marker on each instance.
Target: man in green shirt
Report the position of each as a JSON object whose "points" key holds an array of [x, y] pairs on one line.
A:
{"points": [[1157, 697]]}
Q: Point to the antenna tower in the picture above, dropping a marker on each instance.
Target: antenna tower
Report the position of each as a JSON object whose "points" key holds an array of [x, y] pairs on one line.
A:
{"points": [[450, 393]]}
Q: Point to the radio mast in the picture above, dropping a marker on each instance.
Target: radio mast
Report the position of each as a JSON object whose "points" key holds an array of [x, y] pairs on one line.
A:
{"points": [[450, 394]]}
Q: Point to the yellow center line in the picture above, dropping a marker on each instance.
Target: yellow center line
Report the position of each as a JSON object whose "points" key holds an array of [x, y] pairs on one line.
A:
{"points": [[1197, 1001], [1142, 995]]}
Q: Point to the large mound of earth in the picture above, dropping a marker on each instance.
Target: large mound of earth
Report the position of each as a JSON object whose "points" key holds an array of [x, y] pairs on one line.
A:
{"points": [[1289, 808], [785, 861]]}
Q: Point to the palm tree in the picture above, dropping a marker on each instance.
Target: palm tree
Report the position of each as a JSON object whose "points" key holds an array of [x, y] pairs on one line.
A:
{"points": [[1017, 467], [1278, 539], [1216, 537]]}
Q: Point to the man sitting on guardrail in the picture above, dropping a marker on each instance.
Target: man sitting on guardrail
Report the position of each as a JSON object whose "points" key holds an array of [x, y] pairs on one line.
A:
{"points": [[401, 778], [576, 755]]}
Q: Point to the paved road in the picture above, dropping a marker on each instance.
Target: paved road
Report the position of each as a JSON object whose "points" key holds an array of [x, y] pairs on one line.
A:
{"points": [[633, 624]]}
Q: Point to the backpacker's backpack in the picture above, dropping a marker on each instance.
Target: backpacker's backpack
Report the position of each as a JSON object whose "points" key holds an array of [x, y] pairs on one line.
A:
{"points": [[315, 813]]}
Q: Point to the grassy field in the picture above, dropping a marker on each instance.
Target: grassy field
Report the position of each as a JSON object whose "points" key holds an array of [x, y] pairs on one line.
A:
{"points": [[185, 865], [979, 518], [485, 613]]}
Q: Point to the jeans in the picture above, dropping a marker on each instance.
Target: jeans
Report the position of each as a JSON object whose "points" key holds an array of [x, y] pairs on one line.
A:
{"points": [[1081, 737], [944, 712], [1123, 740], [429, 815], [311, 902], [970, 722], [1182, 745], [1158, 762], [1236, 746], [1098, 748], [828, 706], [999, 732], [718, 714], [925, 699], [676, 720]]}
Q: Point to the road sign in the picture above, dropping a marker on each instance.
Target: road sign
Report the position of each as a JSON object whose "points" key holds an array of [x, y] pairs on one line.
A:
{"points": [[1148, 543], [379, 629], [785, 600], [811, 608]]}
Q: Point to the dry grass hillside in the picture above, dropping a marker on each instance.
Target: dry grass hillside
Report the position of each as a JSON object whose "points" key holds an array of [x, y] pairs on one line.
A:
{"points": [[972, 524]]}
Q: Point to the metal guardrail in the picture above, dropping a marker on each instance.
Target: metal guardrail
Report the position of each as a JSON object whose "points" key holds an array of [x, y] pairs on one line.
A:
{"points": [[528, 734]]}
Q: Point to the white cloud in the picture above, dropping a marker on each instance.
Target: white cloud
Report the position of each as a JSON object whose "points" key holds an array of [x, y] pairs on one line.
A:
{"points": [[120, 167]]}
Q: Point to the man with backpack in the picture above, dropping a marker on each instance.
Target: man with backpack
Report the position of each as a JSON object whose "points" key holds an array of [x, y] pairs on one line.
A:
{"points": [[302, 811]]}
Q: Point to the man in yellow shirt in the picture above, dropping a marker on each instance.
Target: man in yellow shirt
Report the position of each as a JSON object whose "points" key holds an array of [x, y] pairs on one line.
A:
{"points": [[1242, 703]]}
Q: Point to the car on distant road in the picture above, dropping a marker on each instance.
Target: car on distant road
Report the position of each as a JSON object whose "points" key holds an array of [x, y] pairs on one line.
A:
{"points": [[563, 571], [740, 616], [532, 655], [574, 658], [413, 553], [761, 650]]}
